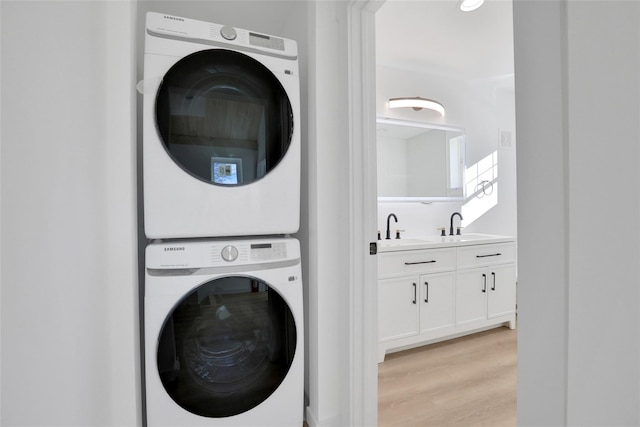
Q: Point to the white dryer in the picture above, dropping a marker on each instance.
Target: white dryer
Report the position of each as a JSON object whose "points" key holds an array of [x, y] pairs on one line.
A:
{"points": [[221, 131], [224, 333]]}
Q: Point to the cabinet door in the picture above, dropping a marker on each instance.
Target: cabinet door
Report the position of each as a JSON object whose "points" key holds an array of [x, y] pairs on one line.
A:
{"points": [[471, 295], [501, 290], [436, 301], [397, 308]]}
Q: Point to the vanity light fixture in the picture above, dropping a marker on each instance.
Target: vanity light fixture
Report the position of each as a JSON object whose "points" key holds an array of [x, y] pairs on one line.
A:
{"points": [[416, 103], [469, 5]]}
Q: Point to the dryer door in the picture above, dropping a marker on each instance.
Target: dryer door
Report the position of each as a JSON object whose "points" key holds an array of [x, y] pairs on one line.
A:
{"points": [[224, 117], [226, 346]]}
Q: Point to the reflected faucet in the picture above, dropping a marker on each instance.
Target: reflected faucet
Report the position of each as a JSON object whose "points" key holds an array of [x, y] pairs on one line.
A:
{"points": [[451, 223], [388, 218]]}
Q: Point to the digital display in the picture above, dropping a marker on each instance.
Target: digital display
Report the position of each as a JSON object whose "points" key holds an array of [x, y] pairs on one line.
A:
{"points": [[268, 251], [266, 41], [261, 246], [262, 36]]}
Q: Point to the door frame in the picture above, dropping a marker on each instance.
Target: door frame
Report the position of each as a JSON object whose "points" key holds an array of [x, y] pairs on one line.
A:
{"points": [[363, 313]]}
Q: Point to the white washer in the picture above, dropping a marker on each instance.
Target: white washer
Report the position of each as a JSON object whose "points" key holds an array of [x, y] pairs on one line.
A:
{"points": [[221, 131], [224, 333]]}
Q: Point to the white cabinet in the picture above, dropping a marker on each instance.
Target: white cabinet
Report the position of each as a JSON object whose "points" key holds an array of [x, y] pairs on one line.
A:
{"points": [[485, 293], [471, 297], [437, 302], [502, 292], [429, 295], [414, 305], [416, 295], [403, 263], [397, 308], [485, 282]]}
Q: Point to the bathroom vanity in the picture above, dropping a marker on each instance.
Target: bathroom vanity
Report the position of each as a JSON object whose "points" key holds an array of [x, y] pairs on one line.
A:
{"points": [[439, 288]]}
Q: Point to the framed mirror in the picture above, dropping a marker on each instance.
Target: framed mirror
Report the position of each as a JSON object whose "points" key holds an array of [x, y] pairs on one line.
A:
{"points": [[419, 162]]}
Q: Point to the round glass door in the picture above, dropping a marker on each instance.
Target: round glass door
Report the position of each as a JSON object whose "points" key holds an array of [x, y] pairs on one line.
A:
{"points": [[224, 117], [226, 346]]}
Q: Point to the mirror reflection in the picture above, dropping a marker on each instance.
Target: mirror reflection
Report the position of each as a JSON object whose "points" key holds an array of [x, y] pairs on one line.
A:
{"points": [[419, 161]]}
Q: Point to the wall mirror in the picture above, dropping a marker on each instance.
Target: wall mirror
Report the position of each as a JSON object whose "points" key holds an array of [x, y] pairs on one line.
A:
{"points": [[419, 162]]}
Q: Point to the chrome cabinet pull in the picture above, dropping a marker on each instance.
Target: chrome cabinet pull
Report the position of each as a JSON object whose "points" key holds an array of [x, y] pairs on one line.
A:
{"points": [[426, 298], [484, 287], [494, 281]]}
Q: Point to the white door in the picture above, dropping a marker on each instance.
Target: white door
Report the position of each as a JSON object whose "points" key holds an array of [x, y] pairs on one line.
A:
{"points": [[502, 290], [471, 295], [225, 347], [436, 301], [398, 308], [223, 117]]}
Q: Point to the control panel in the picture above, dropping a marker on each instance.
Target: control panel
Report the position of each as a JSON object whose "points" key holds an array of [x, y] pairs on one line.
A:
{"points": [[220, 253], [163, 25]]}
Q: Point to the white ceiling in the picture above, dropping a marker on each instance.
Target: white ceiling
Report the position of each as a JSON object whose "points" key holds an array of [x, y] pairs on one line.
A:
{"points": [[434, 36]]}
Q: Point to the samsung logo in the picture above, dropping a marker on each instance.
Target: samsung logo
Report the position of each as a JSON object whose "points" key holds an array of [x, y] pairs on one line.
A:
{"points": [[173, 18], [174, 249]]}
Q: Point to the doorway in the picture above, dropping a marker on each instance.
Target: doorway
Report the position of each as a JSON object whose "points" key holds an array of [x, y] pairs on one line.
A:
{"points": [[468, 67]]}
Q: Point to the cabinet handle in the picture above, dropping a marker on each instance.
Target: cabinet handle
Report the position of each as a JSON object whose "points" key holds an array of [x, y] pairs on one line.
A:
{"points": [[420, 262], [415, 293], [484, 278], [494, 281], [484, 256], [426, 298]]}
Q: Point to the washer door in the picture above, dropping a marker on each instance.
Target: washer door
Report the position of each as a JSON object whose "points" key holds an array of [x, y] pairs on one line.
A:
{"points": [[224, 117], [226, 346]]}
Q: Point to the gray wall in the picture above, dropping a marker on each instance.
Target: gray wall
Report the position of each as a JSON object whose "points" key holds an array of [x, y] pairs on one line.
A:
{"points": [[69, 300], [577, 67]]}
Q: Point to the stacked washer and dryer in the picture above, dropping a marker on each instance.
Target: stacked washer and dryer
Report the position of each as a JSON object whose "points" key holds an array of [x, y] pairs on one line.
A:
{"points": [[223, 311]]}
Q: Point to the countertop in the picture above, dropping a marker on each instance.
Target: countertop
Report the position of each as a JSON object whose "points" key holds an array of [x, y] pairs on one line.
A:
{"points": [[431, 242]]}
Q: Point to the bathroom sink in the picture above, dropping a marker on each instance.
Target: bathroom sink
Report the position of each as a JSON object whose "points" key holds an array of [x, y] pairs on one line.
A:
{"points": [[428, 242], [402, 244], [470, 237]]}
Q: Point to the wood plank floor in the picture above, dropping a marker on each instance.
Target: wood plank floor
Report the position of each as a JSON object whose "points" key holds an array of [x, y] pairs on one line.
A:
{"points": [[466, 382]]}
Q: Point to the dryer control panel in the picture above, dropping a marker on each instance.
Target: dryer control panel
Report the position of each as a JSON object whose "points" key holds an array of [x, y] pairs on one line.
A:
{"points": [[169, 26], [220, 253]]}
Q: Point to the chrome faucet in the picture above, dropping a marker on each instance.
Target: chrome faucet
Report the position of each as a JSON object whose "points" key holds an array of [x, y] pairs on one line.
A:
{"points": [[451, 223], [388, 218]]}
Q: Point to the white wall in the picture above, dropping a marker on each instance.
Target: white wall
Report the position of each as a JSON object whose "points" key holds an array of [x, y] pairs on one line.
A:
{"points": [[328, 170], [69, 314], [483, 109], [577, 68]]}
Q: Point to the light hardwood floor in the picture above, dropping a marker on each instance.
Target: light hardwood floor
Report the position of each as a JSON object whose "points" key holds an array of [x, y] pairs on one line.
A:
{"points": [[466, 382]]}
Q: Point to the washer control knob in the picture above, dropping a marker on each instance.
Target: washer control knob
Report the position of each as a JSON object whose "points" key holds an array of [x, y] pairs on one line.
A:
{"points": [[229, 253], [228, 32]]}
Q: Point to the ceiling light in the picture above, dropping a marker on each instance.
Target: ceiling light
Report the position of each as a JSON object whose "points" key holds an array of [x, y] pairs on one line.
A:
{"points": [[416, 103], [469, 5]]}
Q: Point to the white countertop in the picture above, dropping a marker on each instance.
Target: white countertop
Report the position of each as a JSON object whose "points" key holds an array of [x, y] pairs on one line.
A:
{"points": [[430, 242]]}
